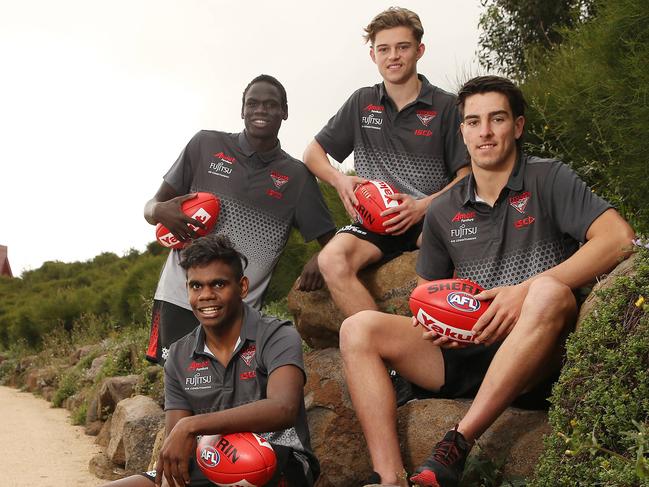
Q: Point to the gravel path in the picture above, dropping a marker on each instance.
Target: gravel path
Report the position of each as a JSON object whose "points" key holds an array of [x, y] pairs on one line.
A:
{"points": [[39, 445]]}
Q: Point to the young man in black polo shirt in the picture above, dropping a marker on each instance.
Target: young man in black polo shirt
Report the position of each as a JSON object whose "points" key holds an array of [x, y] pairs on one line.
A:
{"points": [[263, 191], [238, 371], [403, 131], [514, 226]]}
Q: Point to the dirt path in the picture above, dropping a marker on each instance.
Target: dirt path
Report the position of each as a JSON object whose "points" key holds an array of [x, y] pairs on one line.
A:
{"points": [[39, 445]]}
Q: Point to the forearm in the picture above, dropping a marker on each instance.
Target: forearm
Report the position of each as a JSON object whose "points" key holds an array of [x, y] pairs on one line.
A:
{"points": [[149, 209], [317, 161], [258, 416]]}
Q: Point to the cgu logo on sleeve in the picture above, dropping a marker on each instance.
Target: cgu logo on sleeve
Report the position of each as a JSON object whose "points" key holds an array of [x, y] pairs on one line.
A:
{"points": [[463, 302]]}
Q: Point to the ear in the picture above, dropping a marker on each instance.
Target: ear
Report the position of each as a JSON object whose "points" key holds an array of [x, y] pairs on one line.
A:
{"points": [[372, 55], [285, 115], [519, 125], [243, 284], [420, 51]]}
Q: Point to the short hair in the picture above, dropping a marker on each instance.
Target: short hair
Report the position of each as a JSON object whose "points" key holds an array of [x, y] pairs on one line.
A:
{"points": [[266, 78], [498, 84], [206, 250], [394, 17]]}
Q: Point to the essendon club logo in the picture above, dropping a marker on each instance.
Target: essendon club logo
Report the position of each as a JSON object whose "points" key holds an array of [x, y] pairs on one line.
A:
{"points": [[279, 179], [374, 108], [461, 217], [425, 116], [247, 354], [519, 202], [225, 157]]}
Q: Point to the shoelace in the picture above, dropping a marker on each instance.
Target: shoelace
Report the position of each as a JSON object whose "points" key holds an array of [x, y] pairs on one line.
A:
{"points": [[447, 451]]}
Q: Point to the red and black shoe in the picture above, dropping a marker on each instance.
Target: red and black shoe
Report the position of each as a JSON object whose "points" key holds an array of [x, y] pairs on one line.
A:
{"points": [[445, 465]]}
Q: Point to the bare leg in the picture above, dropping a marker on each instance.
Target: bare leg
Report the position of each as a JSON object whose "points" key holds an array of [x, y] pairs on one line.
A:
{"points": [[132, 481], [339, 262], [525, 355], [368, 340]]}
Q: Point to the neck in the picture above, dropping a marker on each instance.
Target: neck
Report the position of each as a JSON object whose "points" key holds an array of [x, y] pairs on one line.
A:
{"points": [[261, 145], [490, 182], [403, 94], [223, 339]]}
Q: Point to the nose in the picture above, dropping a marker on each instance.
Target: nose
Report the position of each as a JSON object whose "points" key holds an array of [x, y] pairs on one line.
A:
{"points": [[394, 53], [207, 293], [485, 129]]}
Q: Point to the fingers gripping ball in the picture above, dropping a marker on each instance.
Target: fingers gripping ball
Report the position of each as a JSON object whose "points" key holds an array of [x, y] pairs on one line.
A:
{"points": [[448, 307], [236, 460], [372, 199], [204, 207]]}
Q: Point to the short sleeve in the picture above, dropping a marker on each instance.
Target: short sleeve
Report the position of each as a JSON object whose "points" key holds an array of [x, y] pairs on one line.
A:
{"points": [[174, 396], [572, 205], [455, 153], [181, 174], [282, 347], [312, 216], [433, 261], [337, 137]]}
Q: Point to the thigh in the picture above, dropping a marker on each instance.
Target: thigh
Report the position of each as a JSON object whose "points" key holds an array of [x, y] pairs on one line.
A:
{"points": [[290, 471], [355, 252], [175, 323]]}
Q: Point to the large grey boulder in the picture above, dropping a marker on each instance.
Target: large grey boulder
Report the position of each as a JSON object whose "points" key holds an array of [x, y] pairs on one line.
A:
{"points": [[317, 318], [134, 426], [111, 392]]}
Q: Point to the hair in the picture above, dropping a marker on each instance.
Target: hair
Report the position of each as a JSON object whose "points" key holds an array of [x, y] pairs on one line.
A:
{"points": [[498, 84], [394, 17], [206, 250], [266, 78]]}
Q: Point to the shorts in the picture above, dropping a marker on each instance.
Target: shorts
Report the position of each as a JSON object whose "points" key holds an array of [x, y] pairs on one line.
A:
{"points": [[289, 472], [390, 245], [168, 323], [464, 371]]}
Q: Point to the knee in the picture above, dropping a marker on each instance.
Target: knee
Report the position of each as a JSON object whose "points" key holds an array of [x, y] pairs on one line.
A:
{"points": [[333, 262], [356, 333], [552, 299]]}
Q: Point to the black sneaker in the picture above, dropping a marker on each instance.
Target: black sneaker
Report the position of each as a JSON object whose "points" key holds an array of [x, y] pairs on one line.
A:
{"points": [[374, 479], [402, 388], [444, 467]]}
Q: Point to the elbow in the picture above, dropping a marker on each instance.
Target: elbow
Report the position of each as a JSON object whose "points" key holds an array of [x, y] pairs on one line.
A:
{"points": [[287, 414]]}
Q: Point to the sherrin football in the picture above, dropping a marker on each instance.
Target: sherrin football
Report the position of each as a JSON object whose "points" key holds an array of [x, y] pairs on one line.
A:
{"points": [[448, 307], [372, 199], [236, 460], [204, 207]]}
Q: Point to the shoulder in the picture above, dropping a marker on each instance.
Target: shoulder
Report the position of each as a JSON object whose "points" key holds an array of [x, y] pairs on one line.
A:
{"points": [[295, 167], [182, 347], [203, 136], [269, 326], [366, 94], [539, 167]]}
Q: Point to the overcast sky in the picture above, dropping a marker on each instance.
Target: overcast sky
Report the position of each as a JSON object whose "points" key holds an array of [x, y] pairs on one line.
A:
{"points": [[97, 99]]}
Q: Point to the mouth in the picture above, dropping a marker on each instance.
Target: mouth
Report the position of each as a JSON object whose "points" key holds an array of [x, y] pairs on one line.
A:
{"points": [[259, 123], [210, 311], [486, 146], [394, 66]]}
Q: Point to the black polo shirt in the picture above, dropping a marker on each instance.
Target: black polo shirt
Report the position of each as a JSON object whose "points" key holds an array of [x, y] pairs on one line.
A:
{"points": [[262, 196], [195, 381], [537, 222], [417, 150]]}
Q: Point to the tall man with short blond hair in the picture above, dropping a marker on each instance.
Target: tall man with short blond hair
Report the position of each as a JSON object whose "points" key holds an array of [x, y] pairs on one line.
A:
{"points": [[403, 131]]}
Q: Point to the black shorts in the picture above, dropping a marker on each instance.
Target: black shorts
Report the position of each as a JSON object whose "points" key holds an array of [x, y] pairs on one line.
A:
{"points": [[464, 371], [168, 323], [289, 472], [390, 245]]}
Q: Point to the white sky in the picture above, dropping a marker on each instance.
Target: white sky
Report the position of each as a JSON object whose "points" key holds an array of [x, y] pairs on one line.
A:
{"points": [[97, 99]]}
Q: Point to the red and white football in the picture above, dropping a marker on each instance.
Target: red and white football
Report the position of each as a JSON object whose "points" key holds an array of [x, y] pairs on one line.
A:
{"points": [[372, 199], [236, 460], [204, 207], [448, 307]]}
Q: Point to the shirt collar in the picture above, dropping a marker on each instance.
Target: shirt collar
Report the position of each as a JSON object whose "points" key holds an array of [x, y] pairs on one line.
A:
{"points": [[425, 93], [248, 331], [514, 183], [249, 150]]}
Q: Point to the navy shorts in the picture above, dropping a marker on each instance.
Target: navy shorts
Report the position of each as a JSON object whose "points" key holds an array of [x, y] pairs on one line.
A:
{"points": [[464, 371], [390, 245], [289, 472]]}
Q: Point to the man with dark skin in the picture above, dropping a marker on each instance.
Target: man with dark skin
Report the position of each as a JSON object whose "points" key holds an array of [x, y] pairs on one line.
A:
{"points": [[229, 329], [263, 192]]}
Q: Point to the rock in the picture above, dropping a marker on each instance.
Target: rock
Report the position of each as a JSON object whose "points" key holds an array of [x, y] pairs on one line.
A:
{"points": [[93, 428], [103, 438], [48, 393], [81, 352], [36, 379], [95, 367], [112, 391], [335, 431], [101, 466], [317, 318], [157, 445], [135, 423]]}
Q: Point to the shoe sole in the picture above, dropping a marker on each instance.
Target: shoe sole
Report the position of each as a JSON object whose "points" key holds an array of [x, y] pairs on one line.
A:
{"points": [[425, 479]]}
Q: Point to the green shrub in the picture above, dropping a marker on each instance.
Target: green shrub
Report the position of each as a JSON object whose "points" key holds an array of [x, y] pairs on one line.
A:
{"points": [[600, 410], [68, 386]]}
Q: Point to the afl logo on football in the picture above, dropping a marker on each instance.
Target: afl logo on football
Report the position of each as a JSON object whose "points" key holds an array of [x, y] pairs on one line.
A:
{"points": [[463, 302], [210, 457]]}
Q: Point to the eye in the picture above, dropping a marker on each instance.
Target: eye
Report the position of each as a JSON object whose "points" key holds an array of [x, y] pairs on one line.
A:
{"points": [[195, 286]]}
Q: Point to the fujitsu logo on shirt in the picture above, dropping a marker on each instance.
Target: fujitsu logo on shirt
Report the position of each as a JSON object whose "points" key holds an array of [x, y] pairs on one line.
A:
{"points": [[197, 380], [371, 121]]}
